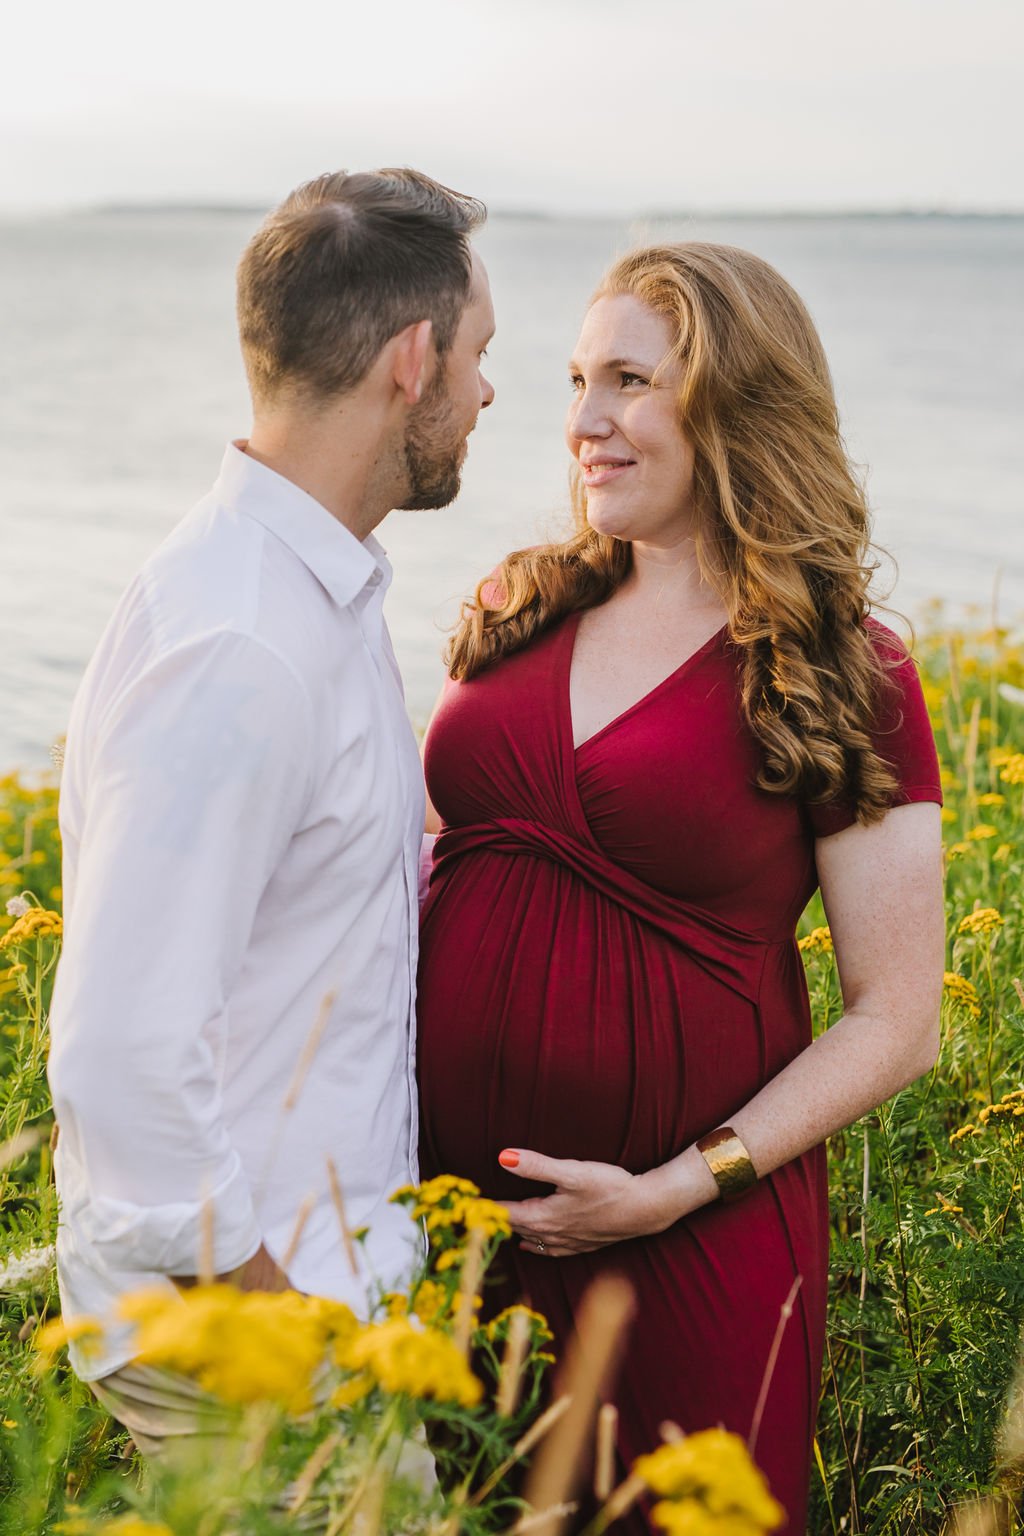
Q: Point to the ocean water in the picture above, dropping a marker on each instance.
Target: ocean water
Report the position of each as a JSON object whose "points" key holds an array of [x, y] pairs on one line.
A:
{"points": [[120, 383]]}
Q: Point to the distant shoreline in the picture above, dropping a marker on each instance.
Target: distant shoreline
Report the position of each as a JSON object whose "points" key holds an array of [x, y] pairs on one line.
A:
{"points": [[653, 215]]}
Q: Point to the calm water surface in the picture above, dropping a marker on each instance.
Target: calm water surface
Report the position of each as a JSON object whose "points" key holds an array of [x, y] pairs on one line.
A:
{"points": [[120, 383]]}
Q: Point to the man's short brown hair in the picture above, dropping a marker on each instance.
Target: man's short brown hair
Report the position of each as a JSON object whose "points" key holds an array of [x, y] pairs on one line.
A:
{"points": [[344, 264]]}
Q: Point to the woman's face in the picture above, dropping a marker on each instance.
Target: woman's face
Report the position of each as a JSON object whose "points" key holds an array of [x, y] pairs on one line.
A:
{"points": [[623, 429]]}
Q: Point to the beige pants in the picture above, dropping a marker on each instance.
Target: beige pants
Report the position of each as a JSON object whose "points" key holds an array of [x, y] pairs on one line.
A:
{"points": [[159, 1408]]}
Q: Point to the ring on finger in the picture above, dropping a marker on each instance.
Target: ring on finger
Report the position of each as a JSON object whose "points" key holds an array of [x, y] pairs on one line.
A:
{"points": [[541, 1245]]}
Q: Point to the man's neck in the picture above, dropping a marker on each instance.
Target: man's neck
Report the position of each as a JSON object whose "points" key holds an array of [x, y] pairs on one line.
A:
{"points": [[332, 460]]}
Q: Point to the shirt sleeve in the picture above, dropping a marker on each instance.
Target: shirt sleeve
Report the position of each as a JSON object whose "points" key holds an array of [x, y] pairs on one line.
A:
{"points": [[196, 779], [902, 737]]}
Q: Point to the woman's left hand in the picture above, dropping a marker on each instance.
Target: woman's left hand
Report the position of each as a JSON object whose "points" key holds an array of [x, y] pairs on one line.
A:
{"points": [[594, 1204]]}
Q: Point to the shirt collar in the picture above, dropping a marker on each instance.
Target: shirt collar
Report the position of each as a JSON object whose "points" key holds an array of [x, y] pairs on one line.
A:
{"points": [[341, 564]]}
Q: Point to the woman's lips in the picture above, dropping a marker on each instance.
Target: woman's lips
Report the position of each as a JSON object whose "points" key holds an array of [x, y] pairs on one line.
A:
{"points": [[605, 472]]}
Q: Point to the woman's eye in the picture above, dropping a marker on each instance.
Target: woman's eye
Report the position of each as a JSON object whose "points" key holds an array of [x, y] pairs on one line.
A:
{"points": [[631, 378]]}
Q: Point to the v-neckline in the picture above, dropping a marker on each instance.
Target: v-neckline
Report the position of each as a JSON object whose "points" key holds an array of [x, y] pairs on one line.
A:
{"points": [[684, 666]]}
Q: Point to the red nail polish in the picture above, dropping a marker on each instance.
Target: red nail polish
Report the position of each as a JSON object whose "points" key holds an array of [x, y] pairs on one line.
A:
{"points": [[508, 1158]]}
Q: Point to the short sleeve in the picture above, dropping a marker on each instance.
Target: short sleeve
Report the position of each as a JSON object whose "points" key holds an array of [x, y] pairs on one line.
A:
{"points": [[902, 737]]}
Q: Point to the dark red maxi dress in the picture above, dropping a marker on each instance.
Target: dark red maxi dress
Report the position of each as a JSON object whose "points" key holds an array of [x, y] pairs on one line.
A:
{"points": [[608, 970]]}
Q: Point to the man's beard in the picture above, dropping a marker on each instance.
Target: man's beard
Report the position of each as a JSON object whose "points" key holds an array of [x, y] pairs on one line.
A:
{"points": [[433, 455]]}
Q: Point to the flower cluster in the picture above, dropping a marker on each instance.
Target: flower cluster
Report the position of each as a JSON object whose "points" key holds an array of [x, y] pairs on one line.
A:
{"points": [[28, 1269], [400, 1357], [452, 1209], [36, 923], [1009, 1107], [1012, 771], [963, 992], [984, 920], [819, 939], [241, 1346], [709, 1486]]}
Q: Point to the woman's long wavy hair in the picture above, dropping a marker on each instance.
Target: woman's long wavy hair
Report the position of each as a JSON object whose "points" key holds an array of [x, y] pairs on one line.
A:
{"points": [[782, 526]]}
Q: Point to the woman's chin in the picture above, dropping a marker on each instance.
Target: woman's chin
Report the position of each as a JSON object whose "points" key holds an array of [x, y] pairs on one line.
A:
{"points": [[613, 522]]}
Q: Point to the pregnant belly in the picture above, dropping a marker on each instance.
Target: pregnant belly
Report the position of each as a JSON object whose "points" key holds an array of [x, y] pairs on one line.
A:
{"points": [[549, 1018]]}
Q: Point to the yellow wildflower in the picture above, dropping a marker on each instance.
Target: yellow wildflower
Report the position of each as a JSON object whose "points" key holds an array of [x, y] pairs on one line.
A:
{"points": [[54, 1335], [242, 1346], [963, 1134], [132, 1525], [817, 939], [430, 1301], [992, 799], [945, 1207], [418, 1362], [984, 920], [448, 1203], [957, 850], [949, 815], [948, 779], [982, 831], [712, 1475], [36, 923], [959, 990], [1003, 852], [1013, 769], [497, 1329]]}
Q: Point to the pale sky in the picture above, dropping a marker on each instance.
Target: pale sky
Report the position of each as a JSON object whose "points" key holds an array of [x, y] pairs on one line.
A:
{"points": [[617, 106]]}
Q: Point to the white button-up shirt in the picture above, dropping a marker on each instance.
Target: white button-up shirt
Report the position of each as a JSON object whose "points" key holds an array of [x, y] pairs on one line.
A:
{"points": [[241, 810]]}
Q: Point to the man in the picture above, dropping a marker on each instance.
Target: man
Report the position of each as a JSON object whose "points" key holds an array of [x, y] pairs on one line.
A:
{"points": [[242, 804]]}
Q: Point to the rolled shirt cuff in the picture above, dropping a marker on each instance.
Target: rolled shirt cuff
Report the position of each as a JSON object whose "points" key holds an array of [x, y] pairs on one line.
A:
{"points": [[168, 1239]]}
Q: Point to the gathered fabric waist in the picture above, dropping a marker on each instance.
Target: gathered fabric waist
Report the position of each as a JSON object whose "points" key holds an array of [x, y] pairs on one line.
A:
{"points": [[731, 956]]}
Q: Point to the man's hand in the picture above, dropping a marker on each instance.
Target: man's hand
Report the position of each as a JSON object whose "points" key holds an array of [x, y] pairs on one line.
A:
{"points": [[260, 1273]]}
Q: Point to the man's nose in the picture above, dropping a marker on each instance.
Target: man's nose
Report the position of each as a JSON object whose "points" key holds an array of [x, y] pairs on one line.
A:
{"points": [[486, 393]]}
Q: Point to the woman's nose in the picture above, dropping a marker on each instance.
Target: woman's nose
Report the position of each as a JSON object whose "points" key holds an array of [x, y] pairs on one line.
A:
{"points": [[587, 418]]}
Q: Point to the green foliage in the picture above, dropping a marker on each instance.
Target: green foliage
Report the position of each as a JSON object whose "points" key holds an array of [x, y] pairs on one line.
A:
{"points": [[927, 1270]]}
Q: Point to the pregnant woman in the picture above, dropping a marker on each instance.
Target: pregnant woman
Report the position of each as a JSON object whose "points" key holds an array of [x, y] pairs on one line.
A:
{"points": [[659, 739]]}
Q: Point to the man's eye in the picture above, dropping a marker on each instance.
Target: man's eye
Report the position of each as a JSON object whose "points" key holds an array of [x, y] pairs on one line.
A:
{"points": [[576, 381]]}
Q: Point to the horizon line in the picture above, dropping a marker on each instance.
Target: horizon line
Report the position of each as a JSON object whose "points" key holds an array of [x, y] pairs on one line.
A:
{"points": [[220, 207]]}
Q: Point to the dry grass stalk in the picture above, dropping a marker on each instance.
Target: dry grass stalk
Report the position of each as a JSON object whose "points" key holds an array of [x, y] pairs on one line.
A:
{"points": [[338, 1201], [1019, 989], [305, 1211], [670, 1432], [622, 1500], [604, 1316], [205, 1272], [523, 1446], [517, 1345], [469, 1284], [18, 1145], [307, 1054], [785, 1314], [983, 1517], [304, 1483], [604, 1466], [450, 1525], [555, 1516]]}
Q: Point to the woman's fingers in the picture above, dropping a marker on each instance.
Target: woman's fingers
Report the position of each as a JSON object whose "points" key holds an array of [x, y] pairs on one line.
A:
{"points": [[534, 1165]]}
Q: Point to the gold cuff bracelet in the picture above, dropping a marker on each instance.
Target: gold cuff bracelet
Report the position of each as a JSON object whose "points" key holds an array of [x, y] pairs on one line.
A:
{"points": [[729, 1162]]}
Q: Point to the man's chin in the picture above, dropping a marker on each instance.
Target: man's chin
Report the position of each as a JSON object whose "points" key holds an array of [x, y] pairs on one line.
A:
{"points": [[431, 498]]}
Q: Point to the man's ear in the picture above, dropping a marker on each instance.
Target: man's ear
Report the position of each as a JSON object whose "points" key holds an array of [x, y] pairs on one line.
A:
{"points": [[413, 349]]}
